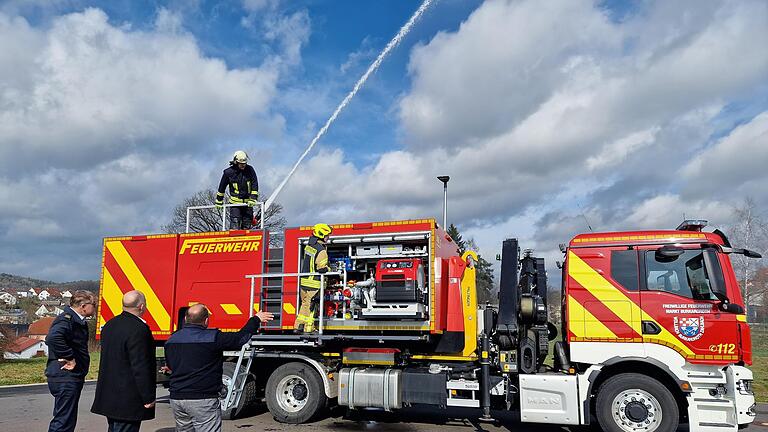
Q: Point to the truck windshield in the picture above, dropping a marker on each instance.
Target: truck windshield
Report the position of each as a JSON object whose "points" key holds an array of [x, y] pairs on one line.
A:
{"points": [[685, 275]]}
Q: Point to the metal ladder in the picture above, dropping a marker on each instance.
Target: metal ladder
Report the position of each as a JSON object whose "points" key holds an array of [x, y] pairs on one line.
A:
{"points": [[239, 377], [271, 298]]}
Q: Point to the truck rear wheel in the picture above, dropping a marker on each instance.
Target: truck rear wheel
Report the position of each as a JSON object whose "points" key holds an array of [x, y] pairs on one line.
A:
{"points": [[295, 393], [249, 392], [633, 402]]}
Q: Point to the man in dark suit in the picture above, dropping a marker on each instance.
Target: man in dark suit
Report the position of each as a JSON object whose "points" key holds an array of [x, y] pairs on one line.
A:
{"points": [[68, 359], [125, 390]]}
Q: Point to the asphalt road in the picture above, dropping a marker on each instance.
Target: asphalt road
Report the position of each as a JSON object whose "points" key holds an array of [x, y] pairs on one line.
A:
{"points": [[29, 409]]}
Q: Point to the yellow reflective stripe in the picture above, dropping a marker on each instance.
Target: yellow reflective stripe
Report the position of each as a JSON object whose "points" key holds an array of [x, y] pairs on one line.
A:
{"points": [[234, 186], [289, 309], [111, 293], [309, 282], [310, 250], [603, 290], [322, 259], [236, 200], [583, 322], [231, 309], [255, 193], [249, 185], [221, 194], [138, 282]]}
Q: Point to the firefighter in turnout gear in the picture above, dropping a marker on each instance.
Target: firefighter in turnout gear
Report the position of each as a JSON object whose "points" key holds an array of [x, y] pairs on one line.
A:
{"points": [[314, 260], [243, 189]]}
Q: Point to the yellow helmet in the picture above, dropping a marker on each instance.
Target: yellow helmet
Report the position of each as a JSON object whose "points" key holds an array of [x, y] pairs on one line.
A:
{"points": [[240, 157], [321, 230]]}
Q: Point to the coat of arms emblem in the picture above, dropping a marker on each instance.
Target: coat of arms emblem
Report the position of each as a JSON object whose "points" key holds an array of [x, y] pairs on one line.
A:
{"points": [[689, 328]]}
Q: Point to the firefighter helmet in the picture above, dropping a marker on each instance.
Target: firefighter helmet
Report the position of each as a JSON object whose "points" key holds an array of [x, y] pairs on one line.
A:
{"points": [[240, 157], [321, 230]]}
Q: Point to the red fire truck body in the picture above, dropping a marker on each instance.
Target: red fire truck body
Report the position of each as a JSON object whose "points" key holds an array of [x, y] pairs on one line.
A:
{"points": [[179, 270], [653, 331]]}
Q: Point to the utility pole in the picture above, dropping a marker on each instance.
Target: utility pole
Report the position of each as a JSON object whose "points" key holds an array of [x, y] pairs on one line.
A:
{"points": [[445, 179]]}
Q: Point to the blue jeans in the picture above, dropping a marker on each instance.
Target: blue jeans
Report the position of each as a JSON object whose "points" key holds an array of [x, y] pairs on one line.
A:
{"points": [[66, 396]]}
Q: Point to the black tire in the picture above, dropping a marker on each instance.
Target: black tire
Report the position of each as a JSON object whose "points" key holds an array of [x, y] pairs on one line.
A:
{"points": [[625, 398], [249, 392], [295, 393]]}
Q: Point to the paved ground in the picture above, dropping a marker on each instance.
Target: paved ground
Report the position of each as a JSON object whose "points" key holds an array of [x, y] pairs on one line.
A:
{"points": [[29, 409]]}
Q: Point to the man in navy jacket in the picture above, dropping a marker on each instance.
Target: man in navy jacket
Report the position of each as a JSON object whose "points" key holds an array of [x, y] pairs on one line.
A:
{"points": [[195, 357], [68, 359]]}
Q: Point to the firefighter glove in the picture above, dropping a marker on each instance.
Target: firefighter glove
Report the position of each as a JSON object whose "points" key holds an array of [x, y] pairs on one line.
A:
{"points": [[251, 202]]}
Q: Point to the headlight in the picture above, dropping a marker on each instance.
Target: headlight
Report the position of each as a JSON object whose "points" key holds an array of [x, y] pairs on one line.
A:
{"points": [[745, 387]]}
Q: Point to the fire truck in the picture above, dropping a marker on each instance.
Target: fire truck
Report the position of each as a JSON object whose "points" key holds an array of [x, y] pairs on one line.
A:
{"points": [[653, 330]]}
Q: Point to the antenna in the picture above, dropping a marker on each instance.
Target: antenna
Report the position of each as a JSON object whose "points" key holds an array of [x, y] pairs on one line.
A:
{"points": [[585, 218]]}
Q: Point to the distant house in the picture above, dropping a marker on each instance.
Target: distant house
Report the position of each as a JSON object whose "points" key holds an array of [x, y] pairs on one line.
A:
{"points": [[39, 329], [26, 348], [43, 294], [22, 294], [33, 292], [52, 302], [8, 298], [13, 316], [66, 295], [44, 310]]}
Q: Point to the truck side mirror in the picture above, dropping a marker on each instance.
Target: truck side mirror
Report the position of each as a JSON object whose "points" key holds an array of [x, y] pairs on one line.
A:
{"points": [[668, 253], [716, 280], [731, 308]]}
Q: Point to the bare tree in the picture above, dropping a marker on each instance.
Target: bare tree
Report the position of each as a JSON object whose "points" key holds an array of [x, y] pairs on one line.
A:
{"points": [[749, 231], [209, 219]]}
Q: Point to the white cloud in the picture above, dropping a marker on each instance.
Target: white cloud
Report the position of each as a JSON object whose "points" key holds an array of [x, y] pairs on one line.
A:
{"points": [[94, 92], [518, 112], [737, 161], [668, 210], [103, 129], [545, 116]]}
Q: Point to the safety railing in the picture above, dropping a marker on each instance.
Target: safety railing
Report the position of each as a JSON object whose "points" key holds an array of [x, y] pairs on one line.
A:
{"points": [[224, 207], [321, 309]]}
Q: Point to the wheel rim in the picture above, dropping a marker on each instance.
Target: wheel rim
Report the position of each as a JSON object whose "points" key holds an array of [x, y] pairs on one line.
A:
{"points": [[636, 410], [292, 393], [225, 380]]}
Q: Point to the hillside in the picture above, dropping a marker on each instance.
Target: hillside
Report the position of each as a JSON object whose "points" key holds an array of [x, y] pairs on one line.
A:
{"points": [[13, 281]]}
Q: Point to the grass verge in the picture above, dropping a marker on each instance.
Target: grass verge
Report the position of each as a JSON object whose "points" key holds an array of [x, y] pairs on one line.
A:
{"points": [[14, 372], [760, 364]]}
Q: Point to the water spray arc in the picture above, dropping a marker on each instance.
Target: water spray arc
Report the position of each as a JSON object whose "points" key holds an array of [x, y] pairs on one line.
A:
{"points": [[371, 69]]}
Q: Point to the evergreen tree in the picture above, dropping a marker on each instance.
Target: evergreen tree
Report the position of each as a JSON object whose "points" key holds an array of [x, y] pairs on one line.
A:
{"points": [[484, 269]]}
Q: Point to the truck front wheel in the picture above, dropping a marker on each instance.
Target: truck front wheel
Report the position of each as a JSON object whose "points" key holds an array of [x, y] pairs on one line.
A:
{"points": [[633, 402], [295, 393]]}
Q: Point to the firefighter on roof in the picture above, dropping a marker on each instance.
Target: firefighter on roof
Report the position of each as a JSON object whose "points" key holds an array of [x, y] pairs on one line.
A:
{"points": [[315, 260], [243, 189]]}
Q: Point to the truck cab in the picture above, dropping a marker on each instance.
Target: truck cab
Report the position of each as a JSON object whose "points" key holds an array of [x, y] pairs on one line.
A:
{"points": [[667, 304]]}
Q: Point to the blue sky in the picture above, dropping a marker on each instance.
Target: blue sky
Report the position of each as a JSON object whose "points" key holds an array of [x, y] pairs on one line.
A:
{"points": [[627, 113]]}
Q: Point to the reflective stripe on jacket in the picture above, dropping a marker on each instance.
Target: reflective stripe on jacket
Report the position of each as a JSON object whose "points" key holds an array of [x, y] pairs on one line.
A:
{"points": [[315, 260]]}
